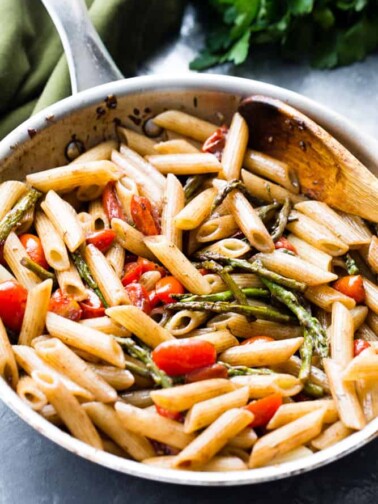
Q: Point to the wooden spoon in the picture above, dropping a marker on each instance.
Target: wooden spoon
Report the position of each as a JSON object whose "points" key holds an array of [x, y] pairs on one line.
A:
{"points": [[326, 170]]}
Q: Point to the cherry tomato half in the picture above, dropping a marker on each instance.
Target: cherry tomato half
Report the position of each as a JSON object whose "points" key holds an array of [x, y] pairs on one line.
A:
{"points": [[139, 296], [283, 243], [207, 373], [33, 247], [173, 415], [167, 286], [144, 216], [216, 142], [264, 409], [102, 239], [150, 266], [92, 307], [178, 357], [352, 286], [132, 273], [360, 345], [13, 298], [112, 206], [65, 306], [257, 339]]}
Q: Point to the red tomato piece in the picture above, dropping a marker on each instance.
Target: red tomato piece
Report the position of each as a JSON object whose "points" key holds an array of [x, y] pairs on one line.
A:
{"points": [[150, 266], [216, 142], [352, 286], [13, 298], [179, 357], [103, 240], [133, 272], [92, 307], [144, 216], [65, 306], [154, 299], [33, 247], [139, 296], [112, 206], [283, 243], [173, 415], [167, 286], [264, 409], [360, 345], [207, 373], [257, 339]]}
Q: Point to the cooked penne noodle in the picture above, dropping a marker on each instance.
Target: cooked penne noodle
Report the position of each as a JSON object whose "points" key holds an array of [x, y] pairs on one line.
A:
{"points": [[286, 438], [311, 254], [196, 211], [85, 338], [296, 268], [362, 367], [370, 254], [263, 385], [186, 164], [174, 201], [244, 440], [221, 339], [52, 243], [5, 274], [29, 392], [131, 239], [183, 397], [99, 218], [8, 365], [99, 152], [235, 147], [144, 167], [119, 379], [68, 408], [89, 192], [64, 218], [71, 283], [317, 376], [140, 324], [137, 142], [345, 396], [367, 391], [35, 313], [229, 247], [174, 146], [107, 420], [67, 178], [116, 258], [184, 321], [64, 360], [206, 412], [149, 279], [126, 188], [325, 296], [358, 225], [372, 321], [29, 361], [216, 464], [49, 413], [342, 333], [366, 333], [178, 265], [272, 169], [289, 412], [297, 453], [268, 191], [330, 436], [216, 229], [152, 425], [262, 353], [14, 252], [106, 325], [106, 278], [371, 295], [213, 439], [10, 192], [324, 215], [86, 222], [316, 234], [185, 124], [359, 314]]}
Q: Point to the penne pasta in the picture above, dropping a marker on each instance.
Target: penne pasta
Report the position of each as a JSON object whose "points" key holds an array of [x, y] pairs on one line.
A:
{"points": [[184, 321], [330, 436], [99, 152], [174, 146], [71, 283], [221, 339], [342, 333], [174, 201], [106, 325], [37, 305], [293, 365], [362, 367], [186, 164], [131, 239], [196, 211], [291, 411], [325, 297], [137, 142], [29, 392], [5, 274], [10, 192], [371, 295], [14, 253], [116, 258], [216, 229], [53, 245], [185, 124], [264, 385], [229, 247], [99, 218], [126, 188], [144, 167], [310, 253], [119, 379], [235, 147], [8, 365], [216, 464], [268, 191]]}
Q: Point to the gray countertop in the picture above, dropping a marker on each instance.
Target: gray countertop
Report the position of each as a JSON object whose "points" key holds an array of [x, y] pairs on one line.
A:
{"points": [[35, 471]]}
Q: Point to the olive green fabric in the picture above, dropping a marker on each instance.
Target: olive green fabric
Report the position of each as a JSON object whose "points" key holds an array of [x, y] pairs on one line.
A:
{"points": [[33, 71]]}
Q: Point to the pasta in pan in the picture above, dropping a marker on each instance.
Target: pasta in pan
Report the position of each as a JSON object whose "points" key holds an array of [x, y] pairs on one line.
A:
{"points": [[180, 302]]}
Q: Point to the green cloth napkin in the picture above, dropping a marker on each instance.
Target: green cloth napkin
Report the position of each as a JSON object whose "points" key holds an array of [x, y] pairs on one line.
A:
{"points": [[33, 71]]}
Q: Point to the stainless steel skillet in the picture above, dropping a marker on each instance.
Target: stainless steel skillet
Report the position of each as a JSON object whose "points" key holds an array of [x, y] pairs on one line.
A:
{"points": [[89, 116]]}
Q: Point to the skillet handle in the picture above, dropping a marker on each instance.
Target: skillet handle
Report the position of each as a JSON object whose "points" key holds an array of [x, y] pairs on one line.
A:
{"points": [[89, 62]]}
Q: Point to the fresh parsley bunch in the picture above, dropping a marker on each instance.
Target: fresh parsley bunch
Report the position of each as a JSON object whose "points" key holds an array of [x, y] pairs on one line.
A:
{"points": [[329, 32]]}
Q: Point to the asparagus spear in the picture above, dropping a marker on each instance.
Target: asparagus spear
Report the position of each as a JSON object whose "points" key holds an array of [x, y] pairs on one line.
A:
{"points": [[249, 292], [313, 390], [86, 275], [224, 273], [265, 212], [41, 272], [280, 225], [192, 184], [255, 267], [244, 370], [351, 265], [229, 187], [261, 312], [306, 355], [13, 217], [144, 355], [312, 324]]}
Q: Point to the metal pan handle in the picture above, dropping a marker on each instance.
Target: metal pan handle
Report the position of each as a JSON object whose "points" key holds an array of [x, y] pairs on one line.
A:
{"points": [[89, 62]]}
